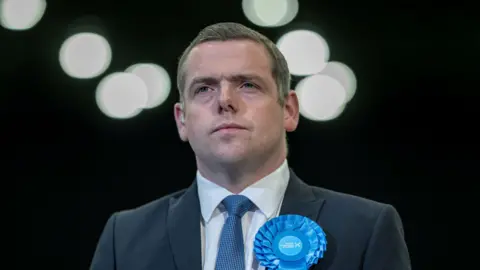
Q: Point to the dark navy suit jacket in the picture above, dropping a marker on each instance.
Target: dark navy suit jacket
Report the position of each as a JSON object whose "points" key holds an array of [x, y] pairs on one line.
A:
{"points": [[165, 234]]}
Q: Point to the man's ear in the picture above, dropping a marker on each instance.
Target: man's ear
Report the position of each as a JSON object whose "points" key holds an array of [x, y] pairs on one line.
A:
{"points": [[291, 111], [179, 114]]}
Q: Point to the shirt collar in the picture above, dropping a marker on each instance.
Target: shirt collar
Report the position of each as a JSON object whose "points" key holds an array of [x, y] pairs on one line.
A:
{"points": [[266, 194]]}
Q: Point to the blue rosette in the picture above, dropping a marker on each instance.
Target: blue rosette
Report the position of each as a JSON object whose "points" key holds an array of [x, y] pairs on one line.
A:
{"points": [[289, 242]]}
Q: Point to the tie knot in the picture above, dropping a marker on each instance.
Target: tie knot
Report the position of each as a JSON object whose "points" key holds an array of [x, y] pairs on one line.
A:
{"points": [[237, 205]]}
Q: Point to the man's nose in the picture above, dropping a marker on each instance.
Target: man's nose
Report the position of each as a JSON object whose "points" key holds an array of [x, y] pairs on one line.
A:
{"points": [[227, 98]]}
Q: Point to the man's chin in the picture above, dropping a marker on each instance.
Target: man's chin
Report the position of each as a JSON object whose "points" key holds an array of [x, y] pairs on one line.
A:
{"points": [[232, 156]]}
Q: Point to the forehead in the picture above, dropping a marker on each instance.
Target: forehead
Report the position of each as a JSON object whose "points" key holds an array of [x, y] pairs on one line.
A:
{"points": [[225, 58]]}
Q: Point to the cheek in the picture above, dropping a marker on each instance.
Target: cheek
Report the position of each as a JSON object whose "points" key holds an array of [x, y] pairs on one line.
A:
{"points": [[267, 123], [197, 127], [267, 114], [194, 130]]}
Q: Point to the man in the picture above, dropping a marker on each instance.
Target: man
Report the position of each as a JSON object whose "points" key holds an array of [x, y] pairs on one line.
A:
{"points": [[235, 109]]}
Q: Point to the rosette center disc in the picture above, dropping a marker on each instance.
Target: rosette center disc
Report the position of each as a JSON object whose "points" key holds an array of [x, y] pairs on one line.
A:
{"points": [[290, 245]]}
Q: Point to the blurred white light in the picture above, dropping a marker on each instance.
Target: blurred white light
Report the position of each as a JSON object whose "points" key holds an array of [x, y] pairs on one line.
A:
{"points": [[270, 13], [344, 75], [157, 81], [21, 14], [306, 52], [321, 98], [85, 55], [121, 95]]}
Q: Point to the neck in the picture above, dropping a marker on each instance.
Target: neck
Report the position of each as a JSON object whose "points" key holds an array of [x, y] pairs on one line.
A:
{"points": [[236, 177]]}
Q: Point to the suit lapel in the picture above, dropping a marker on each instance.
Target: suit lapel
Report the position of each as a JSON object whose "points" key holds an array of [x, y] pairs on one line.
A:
{"points": [[184, 230], [300, 200]]}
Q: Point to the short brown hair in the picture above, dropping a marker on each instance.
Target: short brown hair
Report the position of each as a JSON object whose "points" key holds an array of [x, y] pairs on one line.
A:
{"points": [[235, 31]]}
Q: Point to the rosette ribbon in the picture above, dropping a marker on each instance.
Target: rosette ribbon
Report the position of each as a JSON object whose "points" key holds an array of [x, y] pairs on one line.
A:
{"points": [[289, 242]]}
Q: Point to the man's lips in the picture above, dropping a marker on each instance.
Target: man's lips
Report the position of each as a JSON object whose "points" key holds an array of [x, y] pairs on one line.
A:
{"points": [[229, 126]]}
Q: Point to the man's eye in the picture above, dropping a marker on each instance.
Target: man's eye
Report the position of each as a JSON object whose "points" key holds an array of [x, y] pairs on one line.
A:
{"points": [[202, 89], [249, 85]]}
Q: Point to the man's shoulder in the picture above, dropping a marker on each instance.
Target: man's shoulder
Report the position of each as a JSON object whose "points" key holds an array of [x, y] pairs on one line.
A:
{"points": [[351, 200], [350, 207], [156, 209], [139, 227]]}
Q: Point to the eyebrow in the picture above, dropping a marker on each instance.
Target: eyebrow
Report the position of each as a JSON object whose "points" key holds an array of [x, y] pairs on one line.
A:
{"points": [[234, 78]]}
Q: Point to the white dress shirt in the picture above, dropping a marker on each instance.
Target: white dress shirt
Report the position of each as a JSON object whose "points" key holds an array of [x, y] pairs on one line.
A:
{"points": [[267, 196]]}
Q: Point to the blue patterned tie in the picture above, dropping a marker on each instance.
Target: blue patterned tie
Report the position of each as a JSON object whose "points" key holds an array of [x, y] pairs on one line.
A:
{"points": [[231, 253]]}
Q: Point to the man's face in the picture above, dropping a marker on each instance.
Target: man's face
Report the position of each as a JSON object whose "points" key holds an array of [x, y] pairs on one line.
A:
{"points": [[229, 84]]}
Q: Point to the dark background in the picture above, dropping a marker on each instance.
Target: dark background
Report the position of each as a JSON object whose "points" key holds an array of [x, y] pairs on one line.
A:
{"points": [[409, 137]]}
